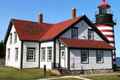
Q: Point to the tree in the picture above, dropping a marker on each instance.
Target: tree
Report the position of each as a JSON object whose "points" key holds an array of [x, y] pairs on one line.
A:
{"points": [[2, 49]]}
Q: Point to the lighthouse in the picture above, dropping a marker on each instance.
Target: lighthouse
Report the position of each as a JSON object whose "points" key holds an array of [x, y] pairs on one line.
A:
{"points": [[104, 22]]}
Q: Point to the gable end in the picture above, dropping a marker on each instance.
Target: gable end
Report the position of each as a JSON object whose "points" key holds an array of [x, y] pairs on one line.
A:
{"points": [[8, 31]]}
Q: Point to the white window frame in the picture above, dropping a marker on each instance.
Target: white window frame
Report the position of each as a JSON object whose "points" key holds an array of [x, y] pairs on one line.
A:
{"points": [[99, 56], [84, 56], [31, 54], [74, 32], [62, 48], [90, 34], [15, 37], [49, 54], [8, 54], [43, 54], [16, 54], [10, 38]]}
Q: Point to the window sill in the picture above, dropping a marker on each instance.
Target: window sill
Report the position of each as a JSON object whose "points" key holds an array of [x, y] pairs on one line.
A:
{"points": [[30, 61], [84, 62], [99, 62]]}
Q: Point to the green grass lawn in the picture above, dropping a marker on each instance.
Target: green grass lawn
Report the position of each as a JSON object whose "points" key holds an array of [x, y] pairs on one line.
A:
{"points": [[33, 74], [105, 77], [25, 74]]}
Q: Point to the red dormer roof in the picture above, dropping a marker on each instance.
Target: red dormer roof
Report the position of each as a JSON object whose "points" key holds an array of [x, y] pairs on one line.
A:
{"points": [[91, 44], [58, 28]]}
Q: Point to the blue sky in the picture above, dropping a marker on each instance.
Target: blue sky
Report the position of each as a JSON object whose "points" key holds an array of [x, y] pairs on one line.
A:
{"points": [[54, 11]]}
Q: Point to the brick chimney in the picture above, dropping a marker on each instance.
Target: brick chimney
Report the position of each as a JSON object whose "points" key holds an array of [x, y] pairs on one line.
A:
{"points": [[40, 18], [74, 15]]}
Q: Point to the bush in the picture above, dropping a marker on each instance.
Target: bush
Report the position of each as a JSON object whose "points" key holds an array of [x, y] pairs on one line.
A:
{"points": [[114, 67], [2, 50]]}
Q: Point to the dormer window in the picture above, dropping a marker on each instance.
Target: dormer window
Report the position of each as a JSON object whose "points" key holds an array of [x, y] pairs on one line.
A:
{"points": [[10, 38], [74, 33], [90, 34], [15, 37]]}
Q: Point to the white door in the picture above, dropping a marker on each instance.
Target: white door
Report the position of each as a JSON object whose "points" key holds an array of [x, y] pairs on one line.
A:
{"points": [[63, 58]]}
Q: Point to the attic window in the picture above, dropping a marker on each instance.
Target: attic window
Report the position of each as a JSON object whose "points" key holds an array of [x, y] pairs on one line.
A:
{"points": [[8, 54], [16, 54], [90, 34], [15, 37], [10, 38], [74, 33]]}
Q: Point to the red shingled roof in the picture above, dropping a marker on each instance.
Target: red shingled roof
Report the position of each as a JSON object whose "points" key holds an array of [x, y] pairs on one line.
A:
{"points": [[58, 28], [28, 30], [75, 43], [35, 31]]}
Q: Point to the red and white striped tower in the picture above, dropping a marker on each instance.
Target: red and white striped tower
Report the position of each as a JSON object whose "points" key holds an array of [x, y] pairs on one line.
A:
{"points": [[105, 23], [108, 31]]}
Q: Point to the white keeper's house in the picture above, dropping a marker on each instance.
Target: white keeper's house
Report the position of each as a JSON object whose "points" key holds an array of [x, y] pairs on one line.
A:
{"points": [[73, 44]]}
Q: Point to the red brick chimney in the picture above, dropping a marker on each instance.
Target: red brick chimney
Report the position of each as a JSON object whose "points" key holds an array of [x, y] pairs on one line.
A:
{"points": [[40, 18], [74, 15]]}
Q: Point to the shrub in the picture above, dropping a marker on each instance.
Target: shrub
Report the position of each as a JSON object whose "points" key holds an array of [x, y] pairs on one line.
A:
{"points": [[2, 49]]}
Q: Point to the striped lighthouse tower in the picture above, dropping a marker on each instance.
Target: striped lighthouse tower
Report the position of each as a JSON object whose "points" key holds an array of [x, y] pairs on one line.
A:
{"points": [[105, 23]]}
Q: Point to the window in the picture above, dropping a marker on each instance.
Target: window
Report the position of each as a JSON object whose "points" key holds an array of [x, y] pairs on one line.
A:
{"points": [[15, 37], [99, 56], [16, 54], [90, 34], [63, 53], [74, 33], [84, 56], [10, 38], [8, 53], [104, 11], [43, 53], [49, 51], [62, 48], [30, 54]]}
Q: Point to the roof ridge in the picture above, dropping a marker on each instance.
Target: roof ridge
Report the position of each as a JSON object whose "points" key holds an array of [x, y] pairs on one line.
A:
{"points": [[13, 19], [24, 20], [68, 20]]}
